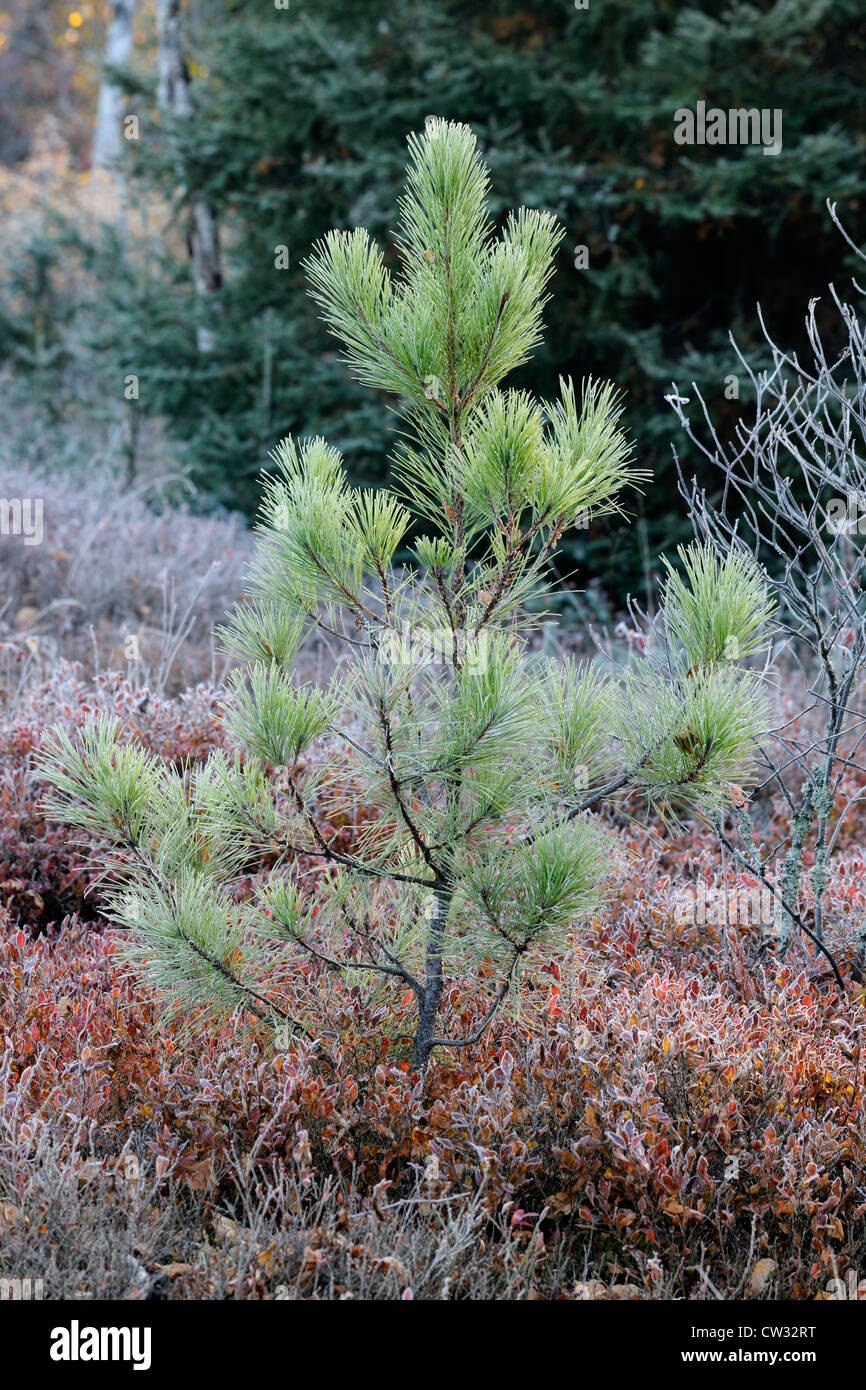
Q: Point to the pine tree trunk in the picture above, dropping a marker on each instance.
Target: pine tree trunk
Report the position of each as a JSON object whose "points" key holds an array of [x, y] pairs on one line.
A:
{"points": [[173, 95]]}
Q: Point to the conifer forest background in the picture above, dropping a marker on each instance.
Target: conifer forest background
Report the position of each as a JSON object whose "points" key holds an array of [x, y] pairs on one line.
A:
{"points": [[298, 125]]}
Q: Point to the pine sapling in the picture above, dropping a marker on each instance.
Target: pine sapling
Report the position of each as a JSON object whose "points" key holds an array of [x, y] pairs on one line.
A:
{"points": [[478, 766]]}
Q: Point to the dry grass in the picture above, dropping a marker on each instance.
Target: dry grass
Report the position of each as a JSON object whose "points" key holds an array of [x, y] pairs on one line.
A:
{"points": [[120, 581]]}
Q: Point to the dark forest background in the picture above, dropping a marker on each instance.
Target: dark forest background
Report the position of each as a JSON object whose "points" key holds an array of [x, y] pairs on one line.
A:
{"points": [[295, 121]]}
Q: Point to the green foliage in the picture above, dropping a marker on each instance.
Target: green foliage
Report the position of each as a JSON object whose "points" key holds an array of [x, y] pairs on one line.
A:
{"points": [[273, 720], [471, 758], [35, 311], [108, 788], [691, 740], [575, 113], [716, 609], [579, 703]]}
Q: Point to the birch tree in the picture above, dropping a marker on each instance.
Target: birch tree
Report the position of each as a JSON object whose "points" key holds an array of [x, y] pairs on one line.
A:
{"points": [[108, 133]]}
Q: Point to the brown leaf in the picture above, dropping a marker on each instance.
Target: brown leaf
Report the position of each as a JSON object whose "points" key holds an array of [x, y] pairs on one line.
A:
{"points": [[172, 1271], [389, 1264], [594, 1289], [199, 1173], [562, 1201], [226, 1229], [759, 1278], [675, 1208]]}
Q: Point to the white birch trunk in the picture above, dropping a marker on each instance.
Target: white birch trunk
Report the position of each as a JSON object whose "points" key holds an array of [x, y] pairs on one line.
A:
{"points": [[107, 133]]}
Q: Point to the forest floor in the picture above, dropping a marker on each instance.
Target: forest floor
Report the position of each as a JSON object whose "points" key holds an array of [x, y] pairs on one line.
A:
{"points": [[664, 1110]]}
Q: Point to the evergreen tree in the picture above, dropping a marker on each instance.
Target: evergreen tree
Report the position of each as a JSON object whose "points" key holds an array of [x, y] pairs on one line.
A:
{"points": [[480, 764], [296, 119]]}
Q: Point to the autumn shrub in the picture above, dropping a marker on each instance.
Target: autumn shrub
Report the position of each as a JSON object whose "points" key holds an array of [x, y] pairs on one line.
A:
{"points": [[664, 1109]]}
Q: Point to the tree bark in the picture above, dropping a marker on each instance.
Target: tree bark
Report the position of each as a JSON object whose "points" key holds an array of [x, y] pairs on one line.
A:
{"points": [[174, 98], [431, 998], [107, 134]]}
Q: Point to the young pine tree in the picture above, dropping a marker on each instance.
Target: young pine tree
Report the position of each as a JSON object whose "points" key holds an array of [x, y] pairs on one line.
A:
{"points": [[478, 766]]}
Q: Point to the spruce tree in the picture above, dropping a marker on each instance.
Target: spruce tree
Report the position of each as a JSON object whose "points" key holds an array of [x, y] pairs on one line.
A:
{"points": [[667, 247], [479, 765]]}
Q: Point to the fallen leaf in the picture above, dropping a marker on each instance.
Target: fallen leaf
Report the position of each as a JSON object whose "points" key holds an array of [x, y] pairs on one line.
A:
{"points": [[562, 1201], [389, 1264], [225, 1228], [760, 1277], [198, 1173], [173, 1271], [594, 1289]]}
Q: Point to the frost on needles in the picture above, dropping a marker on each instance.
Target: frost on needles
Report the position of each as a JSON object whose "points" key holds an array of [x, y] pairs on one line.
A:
{"points": [[479, 767]]}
